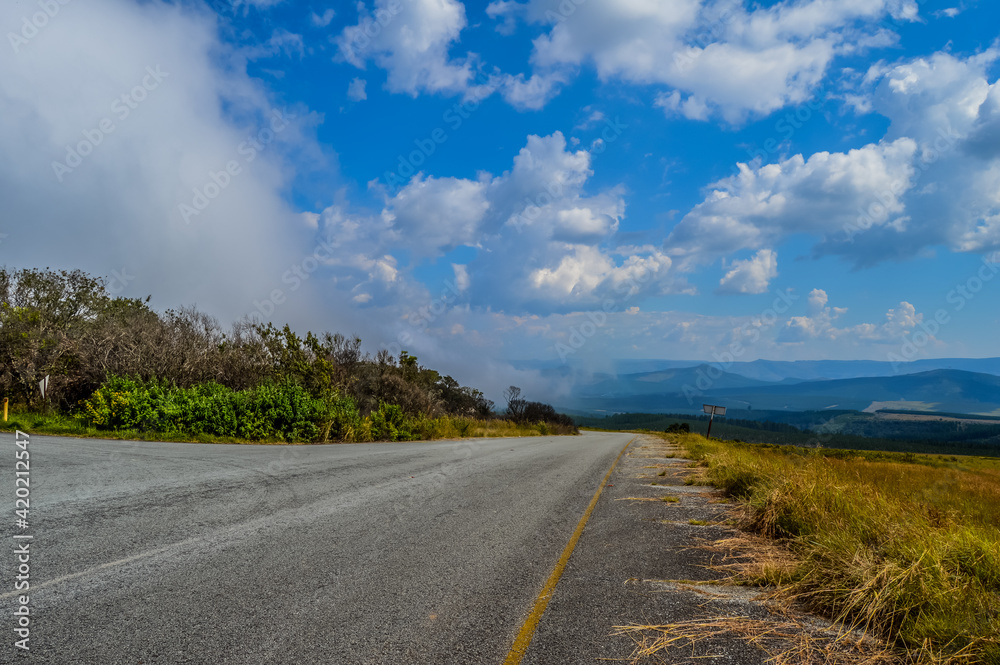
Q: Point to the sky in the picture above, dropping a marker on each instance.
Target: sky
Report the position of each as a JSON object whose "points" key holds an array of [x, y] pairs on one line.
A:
{"points": [[499, 186]]}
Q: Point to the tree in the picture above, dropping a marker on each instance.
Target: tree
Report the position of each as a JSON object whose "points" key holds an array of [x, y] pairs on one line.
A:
{"points": [[515, 405]]}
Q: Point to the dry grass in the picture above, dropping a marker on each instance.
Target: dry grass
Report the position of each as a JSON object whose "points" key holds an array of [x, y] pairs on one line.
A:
{"points": [[903, 547], [786, 640]]}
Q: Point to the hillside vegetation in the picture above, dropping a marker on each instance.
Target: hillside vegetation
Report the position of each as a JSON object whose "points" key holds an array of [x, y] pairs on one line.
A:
{"points": [[117, 366], [906, 547]]}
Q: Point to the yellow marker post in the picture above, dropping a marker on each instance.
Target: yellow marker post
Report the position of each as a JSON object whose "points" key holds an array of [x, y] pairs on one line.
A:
{"points": [[5, 409]]}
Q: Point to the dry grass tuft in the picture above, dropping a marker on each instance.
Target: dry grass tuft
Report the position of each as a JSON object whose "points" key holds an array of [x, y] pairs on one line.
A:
{"points": [[787, 641]]}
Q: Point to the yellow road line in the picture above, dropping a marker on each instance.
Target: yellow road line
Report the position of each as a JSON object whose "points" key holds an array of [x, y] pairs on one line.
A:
{"points": [[527, 631]]}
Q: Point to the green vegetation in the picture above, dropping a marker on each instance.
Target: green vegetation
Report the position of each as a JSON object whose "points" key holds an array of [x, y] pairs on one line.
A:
{"points": [[118, 368], [904, 546]]}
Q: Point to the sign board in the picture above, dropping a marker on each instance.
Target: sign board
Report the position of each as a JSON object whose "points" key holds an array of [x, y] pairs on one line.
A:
{"points": [[714, 410]]}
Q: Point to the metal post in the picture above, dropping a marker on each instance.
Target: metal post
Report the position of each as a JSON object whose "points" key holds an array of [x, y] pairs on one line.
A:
{"points": [[712, 410], [5, 409]]}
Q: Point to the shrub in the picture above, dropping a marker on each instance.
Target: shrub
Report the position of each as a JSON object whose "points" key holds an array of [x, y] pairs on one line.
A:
{"points": [[387, 424], [282, 410]]}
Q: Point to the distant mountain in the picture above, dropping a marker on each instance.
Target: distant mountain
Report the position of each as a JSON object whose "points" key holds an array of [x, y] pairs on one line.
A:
{"points": [[777, 370], [680, 380], [937, 390], [774, 370], [685, 390]]}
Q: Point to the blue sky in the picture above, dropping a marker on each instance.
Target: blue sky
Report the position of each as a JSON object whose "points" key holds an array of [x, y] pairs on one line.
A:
{"points": [[481, 183]]}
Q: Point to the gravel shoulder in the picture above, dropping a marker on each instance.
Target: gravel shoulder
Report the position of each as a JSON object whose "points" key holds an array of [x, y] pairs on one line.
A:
{"points": [[644, 561]]}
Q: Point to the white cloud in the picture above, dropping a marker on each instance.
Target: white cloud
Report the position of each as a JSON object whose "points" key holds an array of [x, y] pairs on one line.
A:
{"points": [[925, 97], [410, 40], [542, 240], [933, 180], [531, 94], [763, 205], [462, 280], [324, 19], [714, 57], [952, 111], [189, 107], [753, 275], [950, 12], [435, 215], [356, 90], [820, 324], [593, 119]]}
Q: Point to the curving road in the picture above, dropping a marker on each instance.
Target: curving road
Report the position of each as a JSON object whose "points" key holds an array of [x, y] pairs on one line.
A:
{"points": [[374, 553]]}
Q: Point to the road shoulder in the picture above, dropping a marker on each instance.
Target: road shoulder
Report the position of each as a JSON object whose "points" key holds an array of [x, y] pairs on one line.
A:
{"points": [[650, 558]]}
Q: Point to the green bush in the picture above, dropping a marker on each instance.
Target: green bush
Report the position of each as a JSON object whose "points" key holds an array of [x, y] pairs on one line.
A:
{"points": [[388, 423], [282, 410]]}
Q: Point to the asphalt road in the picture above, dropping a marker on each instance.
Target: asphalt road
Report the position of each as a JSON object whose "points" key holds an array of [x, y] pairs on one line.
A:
{"points": [[379, 553]]}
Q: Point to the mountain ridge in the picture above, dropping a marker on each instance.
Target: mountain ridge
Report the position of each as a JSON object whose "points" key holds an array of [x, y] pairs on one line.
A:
{"points": [[686, 389]]}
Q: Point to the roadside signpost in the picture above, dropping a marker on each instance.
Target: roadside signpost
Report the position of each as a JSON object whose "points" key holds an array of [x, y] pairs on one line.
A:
{"points": [[712, 411]]}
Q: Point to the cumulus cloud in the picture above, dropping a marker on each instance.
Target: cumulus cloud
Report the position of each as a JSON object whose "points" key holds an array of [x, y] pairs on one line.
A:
{"points": [[356, 90], [933, 180], [435, 215], [410, 40], [820, 324], [533, 93], [762, 205], [950, 109], [713, 57], [324, 19], [543, 241], [707, 58], [753, 275]]}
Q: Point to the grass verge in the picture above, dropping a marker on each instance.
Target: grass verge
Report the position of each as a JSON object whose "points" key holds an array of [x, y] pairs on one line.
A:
{"points": [[905, 547], [446, 427]]}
